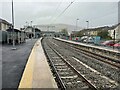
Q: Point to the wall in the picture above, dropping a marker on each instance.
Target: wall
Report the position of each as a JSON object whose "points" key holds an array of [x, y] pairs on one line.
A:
{"points": [[117, 32], [117, 29], [4, 26]]}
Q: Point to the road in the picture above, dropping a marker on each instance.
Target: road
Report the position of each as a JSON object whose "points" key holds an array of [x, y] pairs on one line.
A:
{"points": [[13, 63]]}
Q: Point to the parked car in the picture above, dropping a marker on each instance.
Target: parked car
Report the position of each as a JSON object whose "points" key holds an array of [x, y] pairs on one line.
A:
{"points": [[109, 42], [83, 38], [117, 45], [89, 40]]}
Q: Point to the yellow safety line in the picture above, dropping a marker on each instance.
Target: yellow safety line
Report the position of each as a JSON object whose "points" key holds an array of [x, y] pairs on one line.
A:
{"points": [[26, 81], [30, 78]]}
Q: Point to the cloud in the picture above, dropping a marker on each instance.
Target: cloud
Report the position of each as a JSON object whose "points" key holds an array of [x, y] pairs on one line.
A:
{"points": [[98, 13], [59, 0]]}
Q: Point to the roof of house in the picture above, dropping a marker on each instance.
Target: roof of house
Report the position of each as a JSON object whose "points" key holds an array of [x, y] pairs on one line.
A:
{"points": [[15, 30], [4, 21], [102, 28]]}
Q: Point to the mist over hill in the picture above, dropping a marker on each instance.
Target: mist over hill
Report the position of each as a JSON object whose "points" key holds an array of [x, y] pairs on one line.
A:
{"points": [[58, 27]]}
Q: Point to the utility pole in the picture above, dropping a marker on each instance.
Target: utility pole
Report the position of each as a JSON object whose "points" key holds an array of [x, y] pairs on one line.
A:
{"points": [[76, 23], [13, 33]]}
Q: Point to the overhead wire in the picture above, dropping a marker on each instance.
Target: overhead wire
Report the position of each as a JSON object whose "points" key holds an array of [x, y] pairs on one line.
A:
{"points": [[58, 6], [57, 9], [63, 11]]}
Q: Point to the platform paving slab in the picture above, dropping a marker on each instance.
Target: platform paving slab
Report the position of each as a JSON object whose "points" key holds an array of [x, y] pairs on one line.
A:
{"points": [[13, 63]]}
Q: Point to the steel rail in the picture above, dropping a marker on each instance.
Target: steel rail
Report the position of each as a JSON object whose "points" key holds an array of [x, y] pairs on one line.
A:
{"points": [[98, 57], [110, 61], [76, 71], [59, 80]]}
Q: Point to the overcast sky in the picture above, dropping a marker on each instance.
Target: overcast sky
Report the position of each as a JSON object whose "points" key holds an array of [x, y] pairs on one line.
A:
{"points": [[97, 12]]}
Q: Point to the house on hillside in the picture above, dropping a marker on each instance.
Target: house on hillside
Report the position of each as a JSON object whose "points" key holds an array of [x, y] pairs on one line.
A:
{"points": [[93, 31]]}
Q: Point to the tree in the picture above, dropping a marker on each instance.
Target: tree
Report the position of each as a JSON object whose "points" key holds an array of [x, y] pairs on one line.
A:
{"points": [[64, 32], [79, 34], [104, 34]]}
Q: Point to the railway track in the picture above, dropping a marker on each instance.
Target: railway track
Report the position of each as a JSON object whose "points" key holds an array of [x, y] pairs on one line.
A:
{"points": [[67, 76], [98, 63], [96, 78], [108, 60], [114, 62]]}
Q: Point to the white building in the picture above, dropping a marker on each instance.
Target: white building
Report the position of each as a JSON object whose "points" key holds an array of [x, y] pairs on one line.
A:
{"points": [[46, 27], [32, 32], [117, 29], [57, 27], [4, 25], [117, 32]]}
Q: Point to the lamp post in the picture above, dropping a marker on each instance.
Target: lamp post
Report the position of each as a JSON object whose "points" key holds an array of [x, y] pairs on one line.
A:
{"points": [[114, 38], [31, 30], [76, 27], [48, 30], [13, 34], [87, 24], [31, 23], [88, 33], [76, 23], [34, 31], [26, 24]]}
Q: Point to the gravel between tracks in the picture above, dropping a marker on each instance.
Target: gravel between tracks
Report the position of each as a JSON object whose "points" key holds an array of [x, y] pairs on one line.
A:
{"points": [[101, 79]]}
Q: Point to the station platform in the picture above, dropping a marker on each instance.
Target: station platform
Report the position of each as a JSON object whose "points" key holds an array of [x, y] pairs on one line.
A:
{"points": [[88, 45], [37, 73]]}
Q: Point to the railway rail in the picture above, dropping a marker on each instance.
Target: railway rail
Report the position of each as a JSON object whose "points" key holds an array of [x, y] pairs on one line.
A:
{"points": [[103, 65], [109, 53], [97, 56], [113, 62], [67, 76], [65, 61]]}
